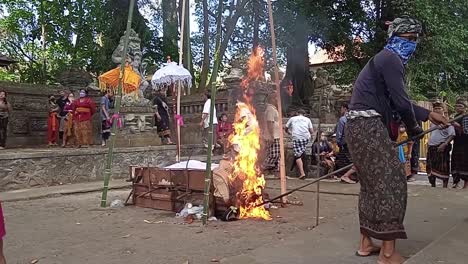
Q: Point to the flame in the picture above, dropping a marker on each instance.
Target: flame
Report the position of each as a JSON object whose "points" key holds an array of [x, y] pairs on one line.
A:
{"points": [[246, 142]]}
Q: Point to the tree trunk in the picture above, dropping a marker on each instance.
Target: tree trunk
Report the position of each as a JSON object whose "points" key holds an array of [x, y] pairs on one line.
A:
{"points": [[170, 32], [297, 68], [206, 48], [256, 9]]}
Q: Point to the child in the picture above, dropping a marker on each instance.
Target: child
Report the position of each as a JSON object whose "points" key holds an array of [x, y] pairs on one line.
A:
{"points": [[404, 151]]}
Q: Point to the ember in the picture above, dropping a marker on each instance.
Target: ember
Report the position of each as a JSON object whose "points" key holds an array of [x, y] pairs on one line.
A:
{"points": [[246, 142]]}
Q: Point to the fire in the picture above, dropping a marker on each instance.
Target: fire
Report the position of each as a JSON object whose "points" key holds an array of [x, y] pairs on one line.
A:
{"points": [[246, 142]]}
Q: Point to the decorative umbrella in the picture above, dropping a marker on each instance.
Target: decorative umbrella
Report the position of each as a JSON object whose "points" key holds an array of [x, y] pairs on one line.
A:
{"points": [[110, 79], [172, 74]]}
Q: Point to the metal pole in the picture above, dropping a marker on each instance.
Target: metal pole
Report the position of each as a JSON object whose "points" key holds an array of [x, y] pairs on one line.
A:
{"points": [[278, 99], [110, 153], [319, 128]]}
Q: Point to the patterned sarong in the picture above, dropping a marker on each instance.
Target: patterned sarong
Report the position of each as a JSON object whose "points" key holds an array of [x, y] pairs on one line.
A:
{"points": [[438, 163], [383, 194], [273, 155], [84, 133], [299, 147]]}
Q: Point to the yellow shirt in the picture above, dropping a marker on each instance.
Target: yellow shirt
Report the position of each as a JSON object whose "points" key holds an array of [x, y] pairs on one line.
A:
{"points": [[402, 137]]}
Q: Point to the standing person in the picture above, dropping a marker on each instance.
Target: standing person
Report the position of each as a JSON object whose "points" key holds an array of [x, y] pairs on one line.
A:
{"points": [[5, 110], [223, 131], [161, 114], [205, 120], [378, 92], [2, 235], [68, 131], [460, 146], [343, 158], [61, 102], [83, 111], [300, 127], [271, 134], [106, 121], [438, 153], [52, 122]]}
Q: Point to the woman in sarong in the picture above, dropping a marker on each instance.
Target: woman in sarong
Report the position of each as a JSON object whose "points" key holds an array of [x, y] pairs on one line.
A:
{"points": [[83, 110], [52, 122], [383, 194], [460, 145], [223, 131], [2, 234], [68, 135], [438, 153], [161, 115]]}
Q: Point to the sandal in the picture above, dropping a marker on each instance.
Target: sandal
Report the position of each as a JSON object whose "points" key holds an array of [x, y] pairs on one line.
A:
{"points": [[373, 252], [347, 181], [302, 177]]}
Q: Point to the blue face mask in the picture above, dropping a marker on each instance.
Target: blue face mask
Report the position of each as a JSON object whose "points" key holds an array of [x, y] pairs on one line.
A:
{"points": [[401, 46]]}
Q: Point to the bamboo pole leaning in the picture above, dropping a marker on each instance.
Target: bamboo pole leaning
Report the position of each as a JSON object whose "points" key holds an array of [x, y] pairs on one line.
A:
{"points": [[279, 106], [179, 88], [206, 197], [110, 152]]}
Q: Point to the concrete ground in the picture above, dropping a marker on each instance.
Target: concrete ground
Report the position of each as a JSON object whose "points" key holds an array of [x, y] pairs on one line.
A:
{"points": [[73, 229]]}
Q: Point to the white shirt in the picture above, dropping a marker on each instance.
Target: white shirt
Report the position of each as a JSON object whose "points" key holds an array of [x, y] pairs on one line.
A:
{"points": [[206, 110], [271, 115], [300, 127], [439, 136]]}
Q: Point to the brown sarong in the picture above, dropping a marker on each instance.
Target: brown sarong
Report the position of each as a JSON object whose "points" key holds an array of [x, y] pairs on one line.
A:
{"points": [[383, 195], [84, 133]]}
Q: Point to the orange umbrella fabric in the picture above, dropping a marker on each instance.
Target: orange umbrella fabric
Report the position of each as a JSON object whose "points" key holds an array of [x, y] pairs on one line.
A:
{"points": [[110, 79]]}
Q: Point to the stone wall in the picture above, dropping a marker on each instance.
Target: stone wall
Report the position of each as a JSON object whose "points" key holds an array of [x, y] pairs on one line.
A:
{"points": [[26, 168]]}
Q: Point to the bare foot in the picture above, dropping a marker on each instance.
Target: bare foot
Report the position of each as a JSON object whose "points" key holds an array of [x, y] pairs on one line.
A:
{"points": [[395, 258], [367, 247]]}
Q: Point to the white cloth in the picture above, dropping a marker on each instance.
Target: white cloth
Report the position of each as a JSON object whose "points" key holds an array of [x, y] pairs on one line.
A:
{"points": [[206, 110], [192, 164], [271, 115], [439, 136], [299, 126]]}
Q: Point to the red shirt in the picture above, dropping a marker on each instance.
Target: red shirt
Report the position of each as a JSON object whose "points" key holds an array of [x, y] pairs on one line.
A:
{"points": [[224, 129], [83, 109]]}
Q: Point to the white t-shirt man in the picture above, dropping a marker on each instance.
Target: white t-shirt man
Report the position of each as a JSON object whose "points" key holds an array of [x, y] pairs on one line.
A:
{"points": [[271, 115], [439, 136], [206, 110], [300, 127]]}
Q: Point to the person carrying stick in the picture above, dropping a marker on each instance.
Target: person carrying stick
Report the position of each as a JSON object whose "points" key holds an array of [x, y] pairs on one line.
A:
{"points": [[378, 96]]}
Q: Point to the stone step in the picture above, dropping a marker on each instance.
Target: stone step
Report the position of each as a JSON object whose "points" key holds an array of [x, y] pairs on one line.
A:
{"points": [[450, 248]]}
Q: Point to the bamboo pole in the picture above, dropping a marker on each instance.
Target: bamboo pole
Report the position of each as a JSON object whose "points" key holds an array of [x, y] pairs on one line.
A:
{"points": [[206, 198], [319, 128], [278, 98], [110, 153], [179, 92]]}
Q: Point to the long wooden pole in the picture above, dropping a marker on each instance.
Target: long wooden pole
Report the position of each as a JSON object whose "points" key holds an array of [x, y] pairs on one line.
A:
{"points": [[110, 152], [179, 88], [278, 98]]}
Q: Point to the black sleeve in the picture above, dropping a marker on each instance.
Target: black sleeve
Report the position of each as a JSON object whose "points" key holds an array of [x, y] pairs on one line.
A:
{"points": [[393, 73]]}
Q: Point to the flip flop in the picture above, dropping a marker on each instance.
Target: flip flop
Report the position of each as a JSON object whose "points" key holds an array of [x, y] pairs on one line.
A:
{"points": [[374, 252]]}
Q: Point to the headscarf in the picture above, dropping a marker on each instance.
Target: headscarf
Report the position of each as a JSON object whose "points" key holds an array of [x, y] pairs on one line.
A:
{"points": [[399, 45], [462, 102], [402, 25]]}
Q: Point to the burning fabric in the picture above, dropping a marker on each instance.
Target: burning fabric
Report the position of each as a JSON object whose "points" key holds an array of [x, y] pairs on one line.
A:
{"points": [[246, 143]]}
